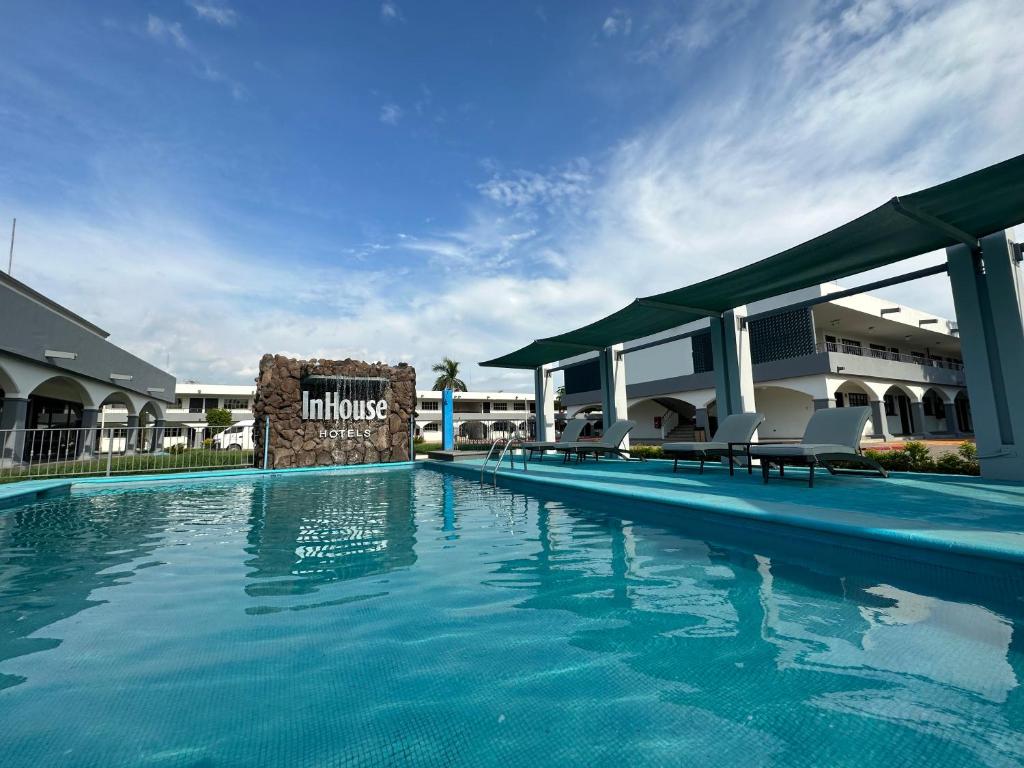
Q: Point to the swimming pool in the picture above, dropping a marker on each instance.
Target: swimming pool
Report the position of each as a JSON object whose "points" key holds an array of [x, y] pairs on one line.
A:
{"points": [[409, 617]]}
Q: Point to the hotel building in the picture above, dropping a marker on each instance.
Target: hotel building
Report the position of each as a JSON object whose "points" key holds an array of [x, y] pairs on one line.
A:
{"points": [[859, 350]]}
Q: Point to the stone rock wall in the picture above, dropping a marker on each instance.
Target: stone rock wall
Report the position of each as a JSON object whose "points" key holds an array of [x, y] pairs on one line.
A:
{"points": [[295, 442]]}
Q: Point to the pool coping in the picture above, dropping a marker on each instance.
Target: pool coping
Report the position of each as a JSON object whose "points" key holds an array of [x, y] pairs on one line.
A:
{"points": [[836, 525], [28, 491]]}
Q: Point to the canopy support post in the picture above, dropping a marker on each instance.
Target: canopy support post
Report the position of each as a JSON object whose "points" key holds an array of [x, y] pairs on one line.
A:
{"points": [[614, 405], [544, 404], [734, 375], [987, 297]]}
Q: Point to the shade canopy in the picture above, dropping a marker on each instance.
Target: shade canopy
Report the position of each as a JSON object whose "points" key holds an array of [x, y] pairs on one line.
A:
{"points": [[962, 210]]}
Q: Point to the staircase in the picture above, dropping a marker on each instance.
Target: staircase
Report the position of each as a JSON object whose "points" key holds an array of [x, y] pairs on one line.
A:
{"points": [[683, 433]]}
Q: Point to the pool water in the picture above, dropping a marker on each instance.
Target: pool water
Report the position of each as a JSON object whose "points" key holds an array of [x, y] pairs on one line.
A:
{"points": [[410, 617]]}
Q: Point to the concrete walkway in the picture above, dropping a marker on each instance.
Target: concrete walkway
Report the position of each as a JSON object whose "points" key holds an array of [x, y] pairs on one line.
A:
{"points": [[949, 513]]}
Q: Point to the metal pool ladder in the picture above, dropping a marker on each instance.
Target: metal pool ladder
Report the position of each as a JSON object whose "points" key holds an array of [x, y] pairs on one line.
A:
{"points": [[511, 442]]}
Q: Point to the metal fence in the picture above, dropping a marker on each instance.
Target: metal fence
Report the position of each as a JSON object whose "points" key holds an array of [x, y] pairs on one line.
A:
{"points": [[883, 354], [118, 450]]}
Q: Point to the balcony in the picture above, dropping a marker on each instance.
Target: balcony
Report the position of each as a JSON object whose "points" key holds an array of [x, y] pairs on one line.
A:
{"points": [[848, 360]]}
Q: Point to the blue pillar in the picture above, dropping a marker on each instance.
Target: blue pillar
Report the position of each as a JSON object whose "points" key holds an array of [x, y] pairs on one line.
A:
{"points": [[987, 301], [447, 420]]}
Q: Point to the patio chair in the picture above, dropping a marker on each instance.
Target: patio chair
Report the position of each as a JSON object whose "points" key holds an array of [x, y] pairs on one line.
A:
{"points": [[570, 434], [735, 430], [832, 435], [609, 442]]}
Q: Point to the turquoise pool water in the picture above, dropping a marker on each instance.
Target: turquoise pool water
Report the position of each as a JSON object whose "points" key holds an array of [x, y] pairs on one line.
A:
{"points": [[409, 617]]}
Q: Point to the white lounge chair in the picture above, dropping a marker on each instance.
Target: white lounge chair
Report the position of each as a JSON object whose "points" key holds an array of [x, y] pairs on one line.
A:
{"points": [[832, 435], [609, 442], [734, 430], [570, 434]]}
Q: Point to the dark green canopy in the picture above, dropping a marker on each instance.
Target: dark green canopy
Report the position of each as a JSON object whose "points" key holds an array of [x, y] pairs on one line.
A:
{"points": [[962, 210]]}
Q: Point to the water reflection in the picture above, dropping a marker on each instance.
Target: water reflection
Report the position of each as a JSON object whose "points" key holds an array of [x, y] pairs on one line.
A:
{"points": [[751, 635], [53, 556], [305, 535]]}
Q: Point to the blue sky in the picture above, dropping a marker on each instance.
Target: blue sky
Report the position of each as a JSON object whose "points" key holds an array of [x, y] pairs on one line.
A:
{"points": [[214, 180]]}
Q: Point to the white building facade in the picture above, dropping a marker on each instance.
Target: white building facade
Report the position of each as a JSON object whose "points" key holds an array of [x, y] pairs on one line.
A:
{"points": [[859, 350], [477, 415]]}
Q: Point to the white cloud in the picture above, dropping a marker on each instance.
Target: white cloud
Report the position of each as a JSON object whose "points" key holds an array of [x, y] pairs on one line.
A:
{"points": [[391, 114], [390, 12], [815, 135], [172, 32], [526, 189], [220, 15], [162, 30], [619, 22]]}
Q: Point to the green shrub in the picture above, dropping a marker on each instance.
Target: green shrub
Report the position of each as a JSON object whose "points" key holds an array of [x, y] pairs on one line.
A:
{"points": [[646, 451], [919, 457], [968, 451], [914, 456]]}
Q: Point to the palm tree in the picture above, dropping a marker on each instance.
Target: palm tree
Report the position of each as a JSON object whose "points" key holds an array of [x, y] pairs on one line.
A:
{"points": [[448, 376]]}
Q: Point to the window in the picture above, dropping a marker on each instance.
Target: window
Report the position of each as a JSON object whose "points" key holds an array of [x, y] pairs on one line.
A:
{"points": [[831, 343], [879, 350], [856, 399], [500, 406], [236, 403], [852, 347], [486, 406], [430, 405], [519, 405], [201, 404], [430, 427]]}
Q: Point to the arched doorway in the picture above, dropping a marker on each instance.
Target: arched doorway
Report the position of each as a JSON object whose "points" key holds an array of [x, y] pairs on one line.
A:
{"points": [[962, 408], [662, 418], [53, 420], [898, 411]]}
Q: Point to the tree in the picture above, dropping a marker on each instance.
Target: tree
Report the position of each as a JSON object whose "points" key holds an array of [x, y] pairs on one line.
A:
{"points": [[219, 419], [448, 376]]}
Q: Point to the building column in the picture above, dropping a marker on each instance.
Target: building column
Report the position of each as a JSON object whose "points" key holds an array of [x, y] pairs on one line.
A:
{"points": [[952, 426], [879, 421], [85, 446], [734, 372], [824, 402], [156, 443], [132, 435], [14, 416], [917, 416], [986, 295], [614, 406], [544, 404]]}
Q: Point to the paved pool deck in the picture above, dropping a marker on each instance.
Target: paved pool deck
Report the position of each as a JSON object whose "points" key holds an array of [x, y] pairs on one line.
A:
{"points": [[949, 513]]}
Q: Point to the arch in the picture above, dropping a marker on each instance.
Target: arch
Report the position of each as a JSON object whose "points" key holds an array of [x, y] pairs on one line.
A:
{"points": [[153, 409], [473, 430], [63, 388], [933, 407], [117, 397], [898, 401], [861, 391], [962, 408], [786, 411], [657, 417]]}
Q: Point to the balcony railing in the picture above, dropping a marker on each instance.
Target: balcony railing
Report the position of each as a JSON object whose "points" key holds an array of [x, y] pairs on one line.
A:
{"points": [[882, 354]]}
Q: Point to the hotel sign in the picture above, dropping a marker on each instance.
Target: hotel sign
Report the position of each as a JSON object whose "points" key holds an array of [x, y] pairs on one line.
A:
{"points": [[343, 400], [321, 412]]}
